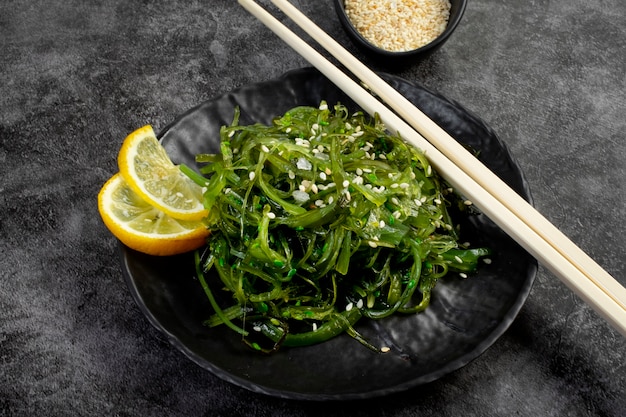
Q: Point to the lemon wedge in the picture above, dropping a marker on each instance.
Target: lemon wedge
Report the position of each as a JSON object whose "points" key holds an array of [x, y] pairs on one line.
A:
{"points": [[142, 227], [148, 170]]}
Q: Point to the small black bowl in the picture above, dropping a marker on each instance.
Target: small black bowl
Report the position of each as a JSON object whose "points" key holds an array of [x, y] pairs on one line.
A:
{"points": [[457, 8]]}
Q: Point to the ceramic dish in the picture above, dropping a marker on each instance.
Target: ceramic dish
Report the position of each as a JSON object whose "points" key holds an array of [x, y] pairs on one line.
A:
{"points": [[457, 9], [465, 316]]}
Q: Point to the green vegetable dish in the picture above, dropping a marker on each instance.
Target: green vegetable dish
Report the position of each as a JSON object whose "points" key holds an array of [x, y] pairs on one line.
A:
{"points": [[320, 220]]}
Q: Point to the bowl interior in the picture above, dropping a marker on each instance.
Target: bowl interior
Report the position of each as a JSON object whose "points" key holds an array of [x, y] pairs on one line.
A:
{"points": [[457, 9]]}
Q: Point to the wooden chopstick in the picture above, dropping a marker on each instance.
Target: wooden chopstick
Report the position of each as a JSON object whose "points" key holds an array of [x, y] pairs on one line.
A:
{"points": [[461, 169]]}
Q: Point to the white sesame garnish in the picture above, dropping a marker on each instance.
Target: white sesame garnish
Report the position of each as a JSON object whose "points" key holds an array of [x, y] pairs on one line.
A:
{"points": [[359, 304], [251, 175], [323, 176], [404, 185], [359, 171], [463, 275], [385, 349], [381, 224], [271, 215], [300, 196], [372, 244], [345, 183], [292, 175], [265, 149], [349, 306], [399, 25], [314, 327], [487, 261], [467, 203], [459, 260]]}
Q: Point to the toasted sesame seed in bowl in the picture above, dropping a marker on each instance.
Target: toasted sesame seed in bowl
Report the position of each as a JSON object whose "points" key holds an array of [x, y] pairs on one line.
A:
{"points": [[402, 30]]}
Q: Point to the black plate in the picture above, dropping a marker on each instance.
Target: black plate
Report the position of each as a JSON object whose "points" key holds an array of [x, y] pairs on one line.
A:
{"points": [[464, 319]]}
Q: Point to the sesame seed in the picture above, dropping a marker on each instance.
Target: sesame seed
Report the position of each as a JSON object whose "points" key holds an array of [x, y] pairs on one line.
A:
{"points": [[404, 185], [323, 106], [359, 303], [487, 261], [399, 26], [330, 200], [345, 183], [463, 275], [385, 349], [314, 327], [292, 175], [323, 176], [359, 171], [271, 215], [319, 203], [257, 328], [397, 214], [395, 185], [251, 175], [349, 306], [437, 201], [372, 244], [395, 201], [231, 133], [265, 149], [467, 203], [459, 260], [314, 188], [327, 171], [381, 224]]}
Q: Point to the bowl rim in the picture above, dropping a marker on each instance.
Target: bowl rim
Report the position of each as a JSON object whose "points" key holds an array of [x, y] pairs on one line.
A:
{"points": [[362, 41]]}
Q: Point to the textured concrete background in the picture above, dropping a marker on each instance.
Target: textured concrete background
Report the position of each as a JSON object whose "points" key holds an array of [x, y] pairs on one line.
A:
{"points": [[77, 76]]}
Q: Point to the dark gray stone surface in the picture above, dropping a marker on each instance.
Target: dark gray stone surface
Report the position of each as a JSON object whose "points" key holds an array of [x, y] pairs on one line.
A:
{"points": [[77, 76]]}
